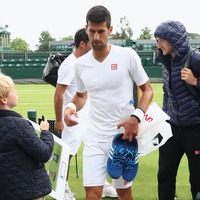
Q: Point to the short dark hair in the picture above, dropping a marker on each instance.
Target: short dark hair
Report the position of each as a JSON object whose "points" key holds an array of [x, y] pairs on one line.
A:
{"points": [[98, 14], [80, 35]]}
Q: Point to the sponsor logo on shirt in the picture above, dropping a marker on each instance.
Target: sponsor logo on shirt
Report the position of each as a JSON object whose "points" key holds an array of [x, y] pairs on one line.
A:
{"points": [[114, 67]]}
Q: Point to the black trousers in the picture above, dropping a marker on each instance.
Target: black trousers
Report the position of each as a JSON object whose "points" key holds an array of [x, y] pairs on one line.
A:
{"points": [[184, 140]]}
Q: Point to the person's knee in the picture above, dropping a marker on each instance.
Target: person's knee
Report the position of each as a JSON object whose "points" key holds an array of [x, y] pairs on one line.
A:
{"points": [[94, 193], [125, 193]]}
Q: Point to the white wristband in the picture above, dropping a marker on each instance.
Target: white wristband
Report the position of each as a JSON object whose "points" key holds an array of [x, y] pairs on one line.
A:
{"points": [[138, 113], [71, 105]]}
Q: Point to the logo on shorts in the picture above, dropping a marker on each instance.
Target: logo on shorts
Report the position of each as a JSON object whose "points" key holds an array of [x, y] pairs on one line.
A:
{"points": [[126, 182], [197, 152]]}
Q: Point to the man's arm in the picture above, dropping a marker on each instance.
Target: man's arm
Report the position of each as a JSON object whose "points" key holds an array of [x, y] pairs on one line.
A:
{"points": [[58, 104], [146, 97], [79, 100], [131, 124]]}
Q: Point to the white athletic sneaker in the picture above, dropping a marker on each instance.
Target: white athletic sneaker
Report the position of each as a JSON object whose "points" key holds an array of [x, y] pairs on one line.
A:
{"points": [[69, 195], [109, 190]]}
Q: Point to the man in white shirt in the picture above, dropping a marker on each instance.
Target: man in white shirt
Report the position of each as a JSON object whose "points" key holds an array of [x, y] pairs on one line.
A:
{"points": [[65, 90]]}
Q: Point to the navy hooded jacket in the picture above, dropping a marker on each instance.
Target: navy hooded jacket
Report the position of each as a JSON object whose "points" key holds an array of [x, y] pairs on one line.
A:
{"points": [[178, 103]]}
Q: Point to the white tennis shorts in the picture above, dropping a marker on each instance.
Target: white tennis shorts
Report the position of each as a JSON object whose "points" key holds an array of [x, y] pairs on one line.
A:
{"points": [[95, 156], [73, 136]]}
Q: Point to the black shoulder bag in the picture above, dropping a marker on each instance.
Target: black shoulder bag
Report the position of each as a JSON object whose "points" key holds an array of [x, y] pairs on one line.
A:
{"points": [[50, 71], [193, 90]]}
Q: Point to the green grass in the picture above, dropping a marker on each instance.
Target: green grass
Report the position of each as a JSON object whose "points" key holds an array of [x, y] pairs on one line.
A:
{"points": [[39, 97]]}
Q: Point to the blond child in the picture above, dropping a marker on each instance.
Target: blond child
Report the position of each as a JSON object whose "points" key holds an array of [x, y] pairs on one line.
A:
{"points": [[22, 153]]}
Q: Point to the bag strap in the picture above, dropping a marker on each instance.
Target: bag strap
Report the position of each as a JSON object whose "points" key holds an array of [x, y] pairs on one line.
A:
{"points": [[193, 90], [187, 60]]}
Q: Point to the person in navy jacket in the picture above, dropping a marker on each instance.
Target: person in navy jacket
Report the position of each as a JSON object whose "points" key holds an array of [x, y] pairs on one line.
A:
{"points": [[22, 153], [181, 106]]}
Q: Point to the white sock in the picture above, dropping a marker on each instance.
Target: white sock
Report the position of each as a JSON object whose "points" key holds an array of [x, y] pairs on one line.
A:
{"points": [[66, 185], [106, 182]]}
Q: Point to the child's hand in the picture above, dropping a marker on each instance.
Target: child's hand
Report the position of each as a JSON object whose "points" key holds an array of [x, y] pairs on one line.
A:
{"points": [[44, 125]]}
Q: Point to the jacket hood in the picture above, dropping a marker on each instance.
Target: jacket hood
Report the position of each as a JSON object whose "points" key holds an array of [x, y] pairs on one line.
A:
{"points": [[175, 33]]}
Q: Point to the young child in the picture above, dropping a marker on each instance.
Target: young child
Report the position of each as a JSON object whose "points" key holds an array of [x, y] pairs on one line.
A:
{"points": [[22, 153]]}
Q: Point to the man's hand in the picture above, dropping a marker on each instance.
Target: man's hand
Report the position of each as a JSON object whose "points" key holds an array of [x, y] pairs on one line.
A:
{"points": [[188, 76], [131, 128], [58, 126], [68, 119]]}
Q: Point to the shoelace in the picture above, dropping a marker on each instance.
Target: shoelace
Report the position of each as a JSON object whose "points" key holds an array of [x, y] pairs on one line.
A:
{"points": [[131, 159], [119, 157]]}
